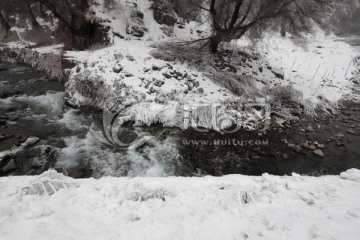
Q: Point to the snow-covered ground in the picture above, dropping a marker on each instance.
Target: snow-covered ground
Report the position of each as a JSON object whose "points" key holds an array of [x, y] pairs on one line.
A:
{"points": [[231, 207], [322, 67]]}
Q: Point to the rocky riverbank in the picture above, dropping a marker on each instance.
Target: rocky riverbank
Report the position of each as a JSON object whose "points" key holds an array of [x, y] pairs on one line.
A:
{"points": [[325, 144], [43, 58]]}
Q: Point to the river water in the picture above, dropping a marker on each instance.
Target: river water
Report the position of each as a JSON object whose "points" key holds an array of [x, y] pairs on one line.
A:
{"points": [[32, 107]]}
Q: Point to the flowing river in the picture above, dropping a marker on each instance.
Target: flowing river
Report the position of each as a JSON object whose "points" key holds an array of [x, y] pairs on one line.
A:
{"points": [[39, 131]]}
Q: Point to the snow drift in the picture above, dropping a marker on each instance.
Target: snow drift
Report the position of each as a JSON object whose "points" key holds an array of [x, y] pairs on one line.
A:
{"points": [[231, 207]]}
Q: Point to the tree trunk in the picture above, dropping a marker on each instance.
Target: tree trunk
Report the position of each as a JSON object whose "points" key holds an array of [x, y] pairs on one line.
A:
{"points": [[42, 12], [283, 30], [214, 44], [81, 37], [84, 5], [34, 21], [4, 23]]}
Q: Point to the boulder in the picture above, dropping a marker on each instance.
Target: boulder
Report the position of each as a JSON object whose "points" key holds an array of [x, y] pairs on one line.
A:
{"points": [[9, 166]]}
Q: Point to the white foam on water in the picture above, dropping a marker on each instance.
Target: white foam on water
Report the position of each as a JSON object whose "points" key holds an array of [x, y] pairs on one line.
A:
{"points": [[51, 103], [74, 120], [156, 159]]}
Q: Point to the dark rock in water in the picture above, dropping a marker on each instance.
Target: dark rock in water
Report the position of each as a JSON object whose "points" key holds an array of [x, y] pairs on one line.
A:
{"points": [[3, 69], [48, 150], [4, 161], [22, 139], [11, 165], [10, 94], [81, 172], [4, 137]]}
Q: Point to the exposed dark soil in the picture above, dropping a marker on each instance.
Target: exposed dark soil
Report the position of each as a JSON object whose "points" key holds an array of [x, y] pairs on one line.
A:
{"points": [[290, 148]]}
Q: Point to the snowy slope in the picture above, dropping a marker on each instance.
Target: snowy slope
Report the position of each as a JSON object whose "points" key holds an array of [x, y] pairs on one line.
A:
{"points": [[322, 67], [231, 207]]}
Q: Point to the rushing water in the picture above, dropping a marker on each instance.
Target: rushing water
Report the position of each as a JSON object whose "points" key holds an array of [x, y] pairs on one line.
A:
{"points": [[31, 105]]}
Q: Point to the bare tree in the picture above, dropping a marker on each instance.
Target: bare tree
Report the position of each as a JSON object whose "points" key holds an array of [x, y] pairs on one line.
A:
{"points": [[22, 7], [31, 13], [73, 15], [231, 19], [345, 20], [4, 23]]}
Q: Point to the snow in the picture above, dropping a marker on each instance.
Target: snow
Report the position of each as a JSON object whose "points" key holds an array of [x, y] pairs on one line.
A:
{"points": [[52, 24], [323, 67], [56, 49], [135, 59], [138, 81], [51, 206], [19, 31], [15, 45]]}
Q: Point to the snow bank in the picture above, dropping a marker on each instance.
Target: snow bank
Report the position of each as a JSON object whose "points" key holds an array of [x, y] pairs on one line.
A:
{"points": [[51, 206], [321, 67]]}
